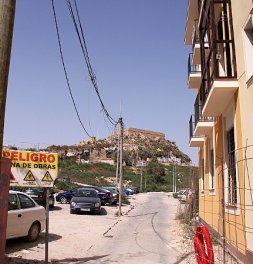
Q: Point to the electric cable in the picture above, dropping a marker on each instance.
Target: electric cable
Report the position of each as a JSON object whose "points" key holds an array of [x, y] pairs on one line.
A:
{"points": [[86, 56], [65, 71]]}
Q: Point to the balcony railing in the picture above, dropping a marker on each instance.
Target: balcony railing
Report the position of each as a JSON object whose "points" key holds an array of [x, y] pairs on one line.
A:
{"points": [[199, 119], [218, 62], [198, 112], [195, 33], [198, 109], [192, 68], [192, 126], [196, 139], [194, 73]]}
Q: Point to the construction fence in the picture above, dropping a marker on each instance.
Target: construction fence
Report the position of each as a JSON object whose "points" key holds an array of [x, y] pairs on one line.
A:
{"points": [[220, 199]]}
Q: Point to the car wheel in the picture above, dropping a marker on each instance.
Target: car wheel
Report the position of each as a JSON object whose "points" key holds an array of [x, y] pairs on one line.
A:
{"points": [[63, 200], [72, 212], [33, 232]]}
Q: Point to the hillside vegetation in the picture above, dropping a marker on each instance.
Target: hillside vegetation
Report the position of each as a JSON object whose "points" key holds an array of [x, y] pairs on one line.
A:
{"points": [[145, 153], [155, 176], [136, 147]]}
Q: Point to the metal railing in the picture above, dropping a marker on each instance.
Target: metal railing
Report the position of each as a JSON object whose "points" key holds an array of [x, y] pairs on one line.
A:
{"points": [[220, 61], [198, 117], [192, 126], [192, 67], [196, 39]]}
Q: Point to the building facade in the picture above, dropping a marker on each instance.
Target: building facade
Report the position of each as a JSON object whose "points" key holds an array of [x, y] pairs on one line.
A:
{"points": [[220, 71]]}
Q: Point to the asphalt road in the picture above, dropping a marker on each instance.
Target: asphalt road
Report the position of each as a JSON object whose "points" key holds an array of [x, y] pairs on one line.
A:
{"points": [[145, 235]]}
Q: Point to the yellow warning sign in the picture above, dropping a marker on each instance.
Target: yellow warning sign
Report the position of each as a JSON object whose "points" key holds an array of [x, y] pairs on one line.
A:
{"points": [[29, 176], [47, 177]]}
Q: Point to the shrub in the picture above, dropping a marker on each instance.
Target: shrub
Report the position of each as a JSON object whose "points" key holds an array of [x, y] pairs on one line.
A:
{"points": [[175, 195]]}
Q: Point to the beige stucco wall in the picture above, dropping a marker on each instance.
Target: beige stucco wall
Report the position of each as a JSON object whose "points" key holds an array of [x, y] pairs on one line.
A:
{"points": [[245, 99], [210, 202], [209, 210]]}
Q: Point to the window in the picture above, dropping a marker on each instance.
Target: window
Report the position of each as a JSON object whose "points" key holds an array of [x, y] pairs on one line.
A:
{"points": [[203, 175], [232, 181], [25, 202], [13, 202], [211, 169], [248, 46]]}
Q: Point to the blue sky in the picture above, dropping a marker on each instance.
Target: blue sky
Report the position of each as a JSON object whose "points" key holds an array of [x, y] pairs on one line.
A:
{"points": [[137, 51]]}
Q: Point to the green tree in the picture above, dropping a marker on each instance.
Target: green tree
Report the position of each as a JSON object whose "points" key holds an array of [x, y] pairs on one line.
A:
{"points": [[157, 170]]}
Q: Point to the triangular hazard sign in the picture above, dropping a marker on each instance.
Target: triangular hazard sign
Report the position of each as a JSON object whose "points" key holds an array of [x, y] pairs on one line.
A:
{"points": [[29, 176], [47, 177]]}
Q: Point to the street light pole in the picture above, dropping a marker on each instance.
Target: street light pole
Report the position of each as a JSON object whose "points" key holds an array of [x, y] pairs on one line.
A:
{"points": [[141, 177], [175, 179]]}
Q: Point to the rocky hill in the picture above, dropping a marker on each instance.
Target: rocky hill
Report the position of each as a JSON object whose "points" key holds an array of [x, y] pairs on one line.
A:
{"points": [[139, 145]]}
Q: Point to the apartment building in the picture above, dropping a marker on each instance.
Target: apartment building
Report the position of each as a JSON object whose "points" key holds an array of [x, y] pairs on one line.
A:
{"points": [[220, 72]]}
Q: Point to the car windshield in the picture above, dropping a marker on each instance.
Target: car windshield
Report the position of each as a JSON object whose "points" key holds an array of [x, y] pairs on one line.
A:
{"points": [[86, 193]]}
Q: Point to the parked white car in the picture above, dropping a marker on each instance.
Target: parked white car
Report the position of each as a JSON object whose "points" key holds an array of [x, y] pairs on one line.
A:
{"points": [[185, 195], [25, 217]]}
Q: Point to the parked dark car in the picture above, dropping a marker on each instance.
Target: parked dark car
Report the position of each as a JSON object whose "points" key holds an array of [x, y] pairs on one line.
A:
{"points": [[104, 195], [115, 193], [39, 195], [128, 191], [131, 190], [65, 197], [85, 200], [134, 189]]}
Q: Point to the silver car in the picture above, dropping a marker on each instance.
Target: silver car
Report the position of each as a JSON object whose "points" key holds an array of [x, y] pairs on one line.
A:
{"points": [[25, 217]]}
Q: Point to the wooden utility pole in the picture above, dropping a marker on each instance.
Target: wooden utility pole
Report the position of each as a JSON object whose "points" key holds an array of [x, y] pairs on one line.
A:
{"points": [[120, 165], [117, 165], [7, 14]]}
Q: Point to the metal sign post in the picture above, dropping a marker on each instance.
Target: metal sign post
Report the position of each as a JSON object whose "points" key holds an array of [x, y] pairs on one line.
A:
{"points": [[47, 227], [34, 169]]}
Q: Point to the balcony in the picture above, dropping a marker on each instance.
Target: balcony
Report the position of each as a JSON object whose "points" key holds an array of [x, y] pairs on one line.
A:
{"points": [[219, 96], [196, 50], [192, 15], [194, 73], [219, 71], [203, 124], [195, 141], [196, 59]]}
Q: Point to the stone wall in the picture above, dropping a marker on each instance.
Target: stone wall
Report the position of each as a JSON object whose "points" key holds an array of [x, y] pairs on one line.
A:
{"points": [[147, 133]]}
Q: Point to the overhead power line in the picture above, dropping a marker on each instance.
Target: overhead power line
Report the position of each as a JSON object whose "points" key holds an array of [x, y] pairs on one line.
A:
{"points": [[80, 34], [65, 71]]}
